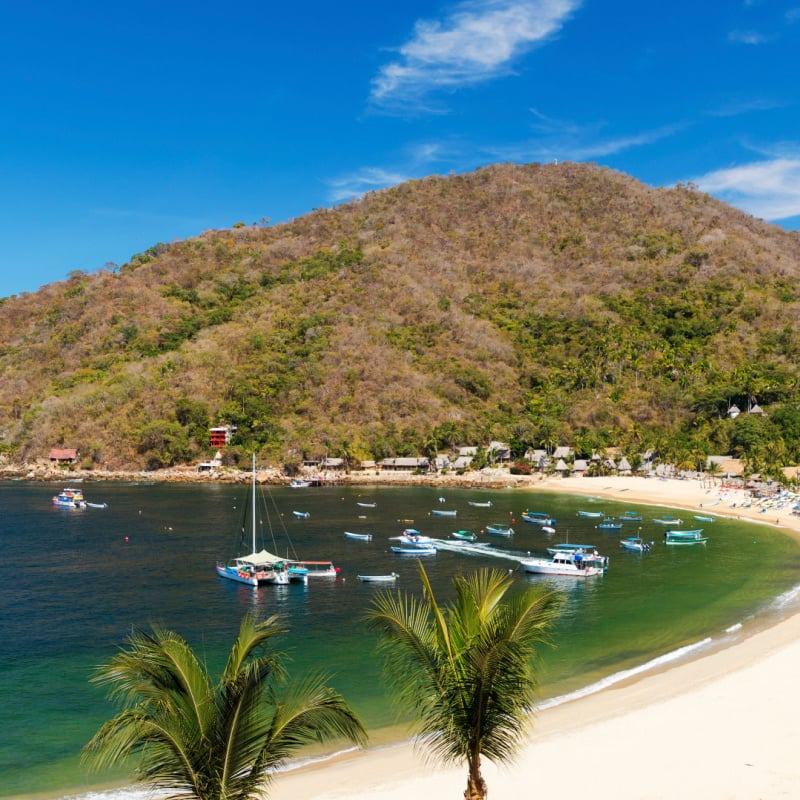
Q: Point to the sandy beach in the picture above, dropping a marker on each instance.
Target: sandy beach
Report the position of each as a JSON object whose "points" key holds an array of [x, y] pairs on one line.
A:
{"points": [[723, 725]]}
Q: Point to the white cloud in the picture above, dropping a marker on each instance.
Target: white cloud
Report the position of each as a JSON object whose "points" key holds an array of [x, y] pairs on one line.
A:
{"points": [[766, 189], [366, 180], [747, 37], [419, 160], [746, 107], [566, 141], [479, 41]]}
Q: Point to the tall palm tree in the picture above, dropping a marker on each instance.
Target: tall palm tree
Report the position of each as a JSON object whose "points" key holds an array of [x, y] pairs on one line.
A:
{"points": [[213, 742], [466, 669]]}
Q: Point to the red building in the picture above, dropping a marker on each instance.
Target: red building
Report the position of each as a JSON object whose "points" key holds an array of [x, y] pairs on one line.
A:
{"points": [[221, 435]]}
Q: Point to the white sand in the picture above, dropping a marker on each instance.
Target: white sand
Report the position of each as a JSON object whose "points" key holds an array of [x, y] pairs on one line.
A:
{"points": [[723, 726]]}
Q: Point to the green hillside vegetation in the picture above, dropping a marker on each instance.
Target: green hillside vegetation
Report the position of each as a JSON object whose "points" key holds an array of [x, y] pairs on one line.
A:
{"points": [[536, 304]]}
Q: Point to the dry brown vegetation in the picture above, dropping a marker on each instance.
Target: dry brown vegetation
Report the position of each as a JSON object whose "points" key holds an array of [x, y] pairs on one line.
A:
{"points": [[537, 304]]}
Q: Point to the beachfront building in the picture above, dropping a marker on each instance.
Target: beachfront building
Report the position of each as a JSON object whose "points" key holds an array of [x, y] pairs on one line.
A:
{"points": [[405, 464], [63, 456]]}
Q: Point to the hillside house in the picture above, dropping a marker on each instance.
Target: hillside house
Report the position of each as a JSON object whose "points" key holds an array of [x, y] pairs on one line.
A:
{"points": [[63, 456], [221, 435], [498, 452], [211, 466]]}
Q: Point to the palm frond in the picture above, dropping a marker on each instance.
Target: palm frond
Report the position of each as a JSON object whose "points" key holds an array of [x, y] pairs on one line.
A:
{"points": [[196, 740], [466, 669], [308, 711]]}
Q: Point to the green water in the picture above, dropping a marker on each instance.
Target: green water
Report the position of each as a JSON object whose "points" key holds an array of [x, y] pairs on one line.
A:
{"points": [[75, 583]]}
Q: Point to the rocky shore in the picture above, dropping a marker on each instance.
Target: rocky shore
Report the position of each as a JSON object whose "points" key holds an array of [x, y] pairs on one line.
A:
{"points": [[488, 478]]}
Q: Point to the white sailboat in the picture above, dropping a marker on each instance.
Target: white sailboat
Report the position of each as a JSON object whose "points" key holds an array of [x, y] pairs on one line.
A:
{"points": [[257, 567]]}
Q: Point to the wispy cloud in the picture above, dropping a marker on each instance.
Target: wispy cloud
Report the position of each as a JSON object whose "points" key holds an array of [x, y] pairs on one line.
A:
{"points": [[560, 140], [419, 160], [480, 40], [768, 189], [748, 37], [367, 179], [564, 140], [747, 107]]}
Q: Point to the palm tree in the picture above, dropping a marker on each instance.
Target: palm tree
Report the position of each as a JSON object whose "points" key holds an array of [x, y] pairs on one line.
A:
{"points": [[213, 742], [467, 669]]}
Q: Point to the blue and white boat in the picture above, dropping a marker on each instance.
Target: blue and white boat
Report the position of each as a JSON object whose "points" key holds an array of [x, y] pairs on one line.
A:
{"points": [[411, 537], [361, 537], [302, 514], [414, 550], [592, 514], [538, 518], [685, 537], [636, 544], [499, 530], [440, 512], [573, 563], [69, 498], [389, 578]]}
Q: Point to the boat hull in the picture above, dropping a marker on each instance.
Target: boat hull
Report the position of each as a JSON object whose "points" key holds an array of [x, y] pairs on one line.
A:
{"points": [[497, 530], [537, 519], [678, 542], [233, 574], [545, 567], [636, 545], [414, 551]]}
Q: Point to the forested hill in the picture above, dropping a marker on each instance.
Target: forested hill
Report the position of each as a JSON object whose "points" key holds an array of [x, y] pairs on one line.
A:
{"points": [[537, 304]]}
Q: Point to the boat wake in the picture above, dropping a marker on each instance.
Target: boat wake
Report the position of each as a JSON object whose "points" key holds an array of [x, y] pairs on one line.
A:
{"points": [[482, 549]]}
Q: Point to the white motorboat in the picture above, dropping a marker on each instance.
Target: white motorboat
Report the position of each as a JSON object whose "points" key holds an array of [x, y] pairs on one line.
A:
{"points": [[574, 563]]}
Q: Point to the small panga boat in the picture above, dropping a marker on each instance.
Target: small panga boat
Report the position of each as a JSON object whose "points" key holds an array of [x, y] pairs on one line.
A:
{"points": [[392, 576], [362, 537]]}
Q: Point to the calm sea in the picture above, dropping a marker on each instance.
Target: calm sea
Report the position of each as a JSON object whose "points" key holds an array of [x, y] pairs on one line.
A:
{"points": [[75, 583]]}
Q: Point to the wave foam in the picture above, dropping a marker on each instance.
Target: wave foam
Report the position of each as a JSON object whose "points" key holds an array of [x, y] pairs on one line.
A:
{"points": [[622, 675]]}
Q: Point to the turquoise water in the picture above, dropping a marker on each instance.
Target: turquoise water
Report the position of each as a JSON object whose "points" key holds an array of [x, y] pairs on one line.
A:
{"points": [[75, 582]]}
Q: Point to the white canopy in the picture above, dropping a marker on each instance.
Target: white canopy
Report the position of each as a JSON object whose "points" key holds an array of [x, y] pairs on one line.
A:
{"points": [[262, 559]]}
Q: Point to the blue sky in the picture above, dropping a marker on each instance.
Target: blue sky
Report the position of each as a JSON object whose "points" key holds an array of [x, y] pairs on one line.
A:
{"points": [[127, 124]]}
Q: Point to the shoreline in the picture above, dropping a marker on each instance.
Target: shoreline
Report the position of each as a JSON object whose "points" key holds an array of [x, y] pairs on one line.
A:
{"points": [[716, 724], [713, 725], [710, 497], [725, 711]]}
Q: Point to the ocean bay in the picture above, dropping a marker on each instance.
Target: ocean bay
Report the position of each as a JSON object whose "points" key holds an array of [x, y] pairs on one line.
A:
{"points": [[76, 581]]}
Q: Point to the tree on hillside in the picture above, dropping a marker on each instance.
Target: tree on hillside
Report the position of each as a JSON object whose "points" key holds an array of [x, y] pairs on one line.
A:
{"points": [[466, 669], [213, 742]]}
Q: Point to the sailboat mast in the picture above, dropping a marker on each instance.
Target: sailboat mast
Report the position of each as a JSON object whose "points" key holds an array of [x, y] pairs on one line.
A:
{"points": [[254, 502]]}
